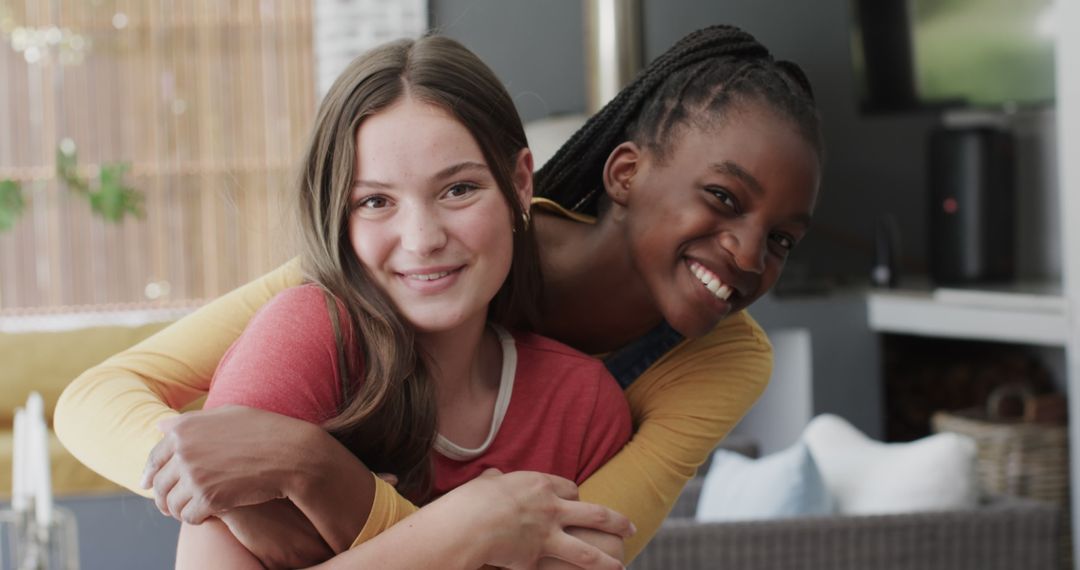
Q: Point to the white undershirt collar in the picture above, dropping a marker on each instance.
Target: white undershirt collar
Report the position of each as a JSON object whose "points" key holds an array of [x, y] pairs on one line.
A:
{"points": [[506, 387]]}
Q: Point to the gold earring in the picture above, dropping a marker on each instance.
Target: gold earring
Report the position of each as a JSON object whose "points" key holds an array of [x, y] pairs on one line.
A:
{"points": [[525, 219]]}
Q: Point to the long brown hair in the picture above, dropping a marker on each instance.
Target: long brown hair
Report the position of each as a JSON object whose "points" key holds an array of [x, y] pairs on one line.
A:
{"points": [[389, 421]]}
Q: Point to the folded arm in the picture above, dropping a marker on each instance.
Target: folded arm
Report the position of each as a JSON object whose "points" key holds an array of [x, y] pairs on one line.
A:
{"points": [[107, 417], [514, 520], [682, 406]]}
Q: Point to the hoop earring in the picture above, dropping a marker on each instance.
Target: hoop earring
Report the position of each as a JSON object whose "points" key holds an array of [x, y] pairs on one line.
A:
{"points": [[525, 219]]}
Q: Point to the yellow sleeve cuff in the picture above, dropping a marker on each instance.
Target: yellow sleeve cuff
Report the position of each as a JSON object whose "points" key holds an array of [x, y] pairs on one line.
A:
{"points": [[387, 509]]}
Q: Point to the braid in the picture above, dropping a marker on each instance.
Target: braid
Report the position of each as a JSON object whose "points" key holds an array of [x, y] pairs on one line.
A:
{"points": [[702, 70]]}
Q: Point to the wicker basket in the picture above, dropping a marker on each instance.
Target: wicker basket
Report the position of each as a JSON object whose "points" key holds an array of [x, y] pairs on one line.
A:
{"points": [[1015, 457]]}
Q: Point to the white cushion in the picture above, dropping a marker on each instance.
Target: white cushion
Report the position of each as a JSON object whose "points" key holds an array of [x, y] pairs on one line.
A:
{"points": [[869, 477], [785, 484]]}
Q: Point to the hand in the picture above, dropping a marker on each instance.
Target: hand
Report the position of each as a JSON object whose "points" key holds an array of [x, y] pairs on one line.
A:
{"points": [[524, 517], [216, 460], [610, 544]]}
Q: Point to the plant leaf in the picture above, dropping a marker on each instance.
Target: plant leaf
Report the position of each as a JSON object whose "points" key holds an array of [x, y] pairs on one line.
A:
{"points": [[113, 199], [11, 204]]}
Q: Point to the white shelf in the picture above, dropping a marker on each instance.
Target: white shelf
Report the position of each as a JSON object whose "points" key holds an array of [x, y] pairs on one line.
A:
{"points": [[1026, 315]]}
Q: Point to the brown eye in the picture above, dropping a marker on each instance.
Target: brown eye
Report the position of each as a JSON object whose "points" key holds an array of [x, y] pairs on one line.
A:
{"points": [[785, 242], [461, 190], [724, 197], [373, 202]]}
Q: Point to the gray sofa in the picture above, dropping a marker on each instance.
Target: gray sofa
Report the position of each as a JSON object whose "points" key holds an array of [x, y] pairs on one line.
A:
{"points": [[1003, 534]]}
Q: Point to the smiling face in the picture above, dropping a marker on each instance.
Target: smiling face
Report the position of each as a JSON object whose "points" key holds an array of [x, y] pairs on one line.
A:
{"points": [[428, 221], [710, 226]]}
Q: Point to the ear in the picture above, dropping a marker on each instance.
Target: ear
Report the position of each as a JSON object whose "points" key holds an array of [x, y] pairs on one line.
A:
{"points": [[523, 178], [621, 166]]}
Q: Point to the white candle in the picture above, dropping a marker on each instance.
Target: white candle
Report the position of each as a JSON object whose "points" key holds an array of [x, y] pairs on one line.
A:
{"points": [[42, 472], [19, 491]]}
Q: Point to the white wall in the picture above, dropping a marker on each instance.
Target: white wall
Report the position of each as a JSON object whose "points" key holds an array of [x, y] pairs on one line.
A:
{"points": [[1068, 124], [845, 375], [778, 418], [346, 28]]}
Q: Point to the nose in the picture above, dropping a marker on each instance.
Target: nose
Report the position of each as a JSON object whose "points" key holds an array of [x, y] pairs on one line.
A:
{"points": [[421, 230], [748, 248]]}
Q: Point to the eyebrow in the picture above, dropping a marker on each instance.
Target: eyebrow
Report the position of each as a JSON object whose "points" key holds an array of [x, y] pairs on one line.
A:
{"points": [[732, 169], [444, 173]]}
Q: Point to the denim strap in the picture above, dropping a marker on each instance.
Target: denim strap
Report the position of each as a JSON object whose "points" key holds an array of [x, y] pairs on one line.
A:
{"points": [[630, 361]]}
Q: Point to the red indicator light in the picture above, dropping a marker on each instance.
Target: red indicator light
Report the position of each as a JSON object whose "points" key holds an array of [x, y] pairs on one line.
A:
{"points": [[950, 205]]}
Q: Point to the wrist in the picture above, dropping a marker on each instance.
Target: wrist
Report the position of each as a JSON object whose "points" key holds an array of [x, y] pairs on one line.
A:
{"points": [[310, 464], [479, 532]]}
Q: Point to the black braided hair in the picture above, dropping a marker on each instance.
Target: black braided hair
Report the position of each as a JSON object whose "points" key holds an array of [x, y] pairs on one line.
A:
{"points": [[705, 71]]}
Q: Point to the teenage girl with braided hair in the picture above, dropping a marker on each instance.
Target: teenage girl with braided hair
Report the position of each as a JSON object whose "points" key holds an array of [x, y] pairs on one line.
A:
{"points": [[672, 210]]}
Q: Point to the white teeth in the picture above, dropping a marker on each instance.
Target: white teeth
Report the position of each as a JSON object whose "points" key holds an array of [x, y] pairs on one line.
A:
{"points": [[429, 276], [711, 281]]}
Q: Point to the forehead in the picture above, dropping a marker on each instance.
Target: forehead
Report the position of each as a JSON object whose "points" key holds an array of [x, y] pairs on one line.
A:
{"points": [[760, 149], [756, 138], [414, 136]]}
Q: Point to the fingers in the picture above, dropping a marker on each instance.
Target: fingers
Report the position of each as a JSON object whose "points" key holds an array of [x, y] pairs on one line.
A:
{"points": [[563, 488], [580, 554], [159, 456], [194, 511], [389, 478], [597, 517], [177, 500], [163, 483], [168, 423]]}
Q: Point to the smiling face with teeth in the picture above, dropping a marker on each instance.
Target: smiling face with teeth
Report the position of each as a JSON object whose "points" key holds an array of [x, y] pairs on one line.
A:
{"points": [[710, 224], [428, 221]]}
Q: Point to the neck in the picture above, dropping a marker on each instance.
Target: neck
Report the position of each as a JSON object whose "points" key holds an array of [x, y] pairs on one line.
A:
{"points": [[594, 298], [461, 359]]}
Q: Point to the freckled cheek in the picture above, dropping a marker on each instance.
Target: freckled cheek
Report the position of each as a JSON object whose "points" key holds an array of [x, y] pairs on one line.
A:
{"points": [[487, 233], [489, 225], [372, 248]]}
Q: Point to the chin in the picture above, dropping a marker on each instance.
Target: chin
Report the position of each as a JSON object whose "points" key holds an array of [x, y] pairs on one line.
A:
{"points": [[694, 325], [433, 323]]}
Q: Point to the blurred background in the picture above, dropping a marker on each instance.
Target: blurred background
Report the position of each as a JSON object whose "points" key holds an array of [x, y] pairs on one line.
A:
{"points": [[147, 146]]}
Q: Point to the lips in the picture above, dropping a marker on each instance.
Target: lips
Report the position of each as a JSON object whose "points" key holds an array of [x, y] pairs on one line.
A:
{"points": [[430, 280]]}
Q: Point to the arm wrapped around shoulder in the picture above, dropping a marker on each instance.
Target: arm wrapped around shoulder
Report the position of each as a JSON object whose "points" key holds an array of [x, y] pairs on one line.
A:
{"points": [[682, 406]]}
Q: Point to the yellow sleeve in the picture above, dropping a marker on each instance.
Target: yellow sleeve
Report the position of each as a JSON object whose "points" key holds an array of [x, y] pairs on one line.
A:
{"points": [[387, 509], [107, 417], [682, 407]]}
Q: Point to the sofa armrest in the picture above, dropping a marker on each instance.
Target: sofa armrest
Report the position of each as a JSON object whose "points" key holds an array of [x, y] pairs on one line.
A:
{"points": [[1005, 534]]}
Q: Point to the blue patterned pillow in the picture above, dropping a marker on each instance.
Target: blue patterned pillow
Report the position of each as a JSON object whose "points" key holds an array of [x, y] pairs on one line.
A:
{"points": [[782, 485]]}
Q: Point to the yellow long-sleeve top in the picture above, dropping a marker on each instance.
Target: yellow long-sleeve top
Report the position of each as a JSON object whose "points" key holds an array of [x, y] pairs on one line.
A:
{"points": [[682, 406]]}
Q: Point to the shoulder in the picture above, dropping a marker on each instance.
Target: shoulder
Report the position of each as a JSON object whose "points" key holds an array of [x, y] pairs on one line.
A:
{"points": [[547, 362], [547, 351], [733, 342], [736, 356], [738, 328], [305, 298], [297, 321], [300, 309], [286, 361]]}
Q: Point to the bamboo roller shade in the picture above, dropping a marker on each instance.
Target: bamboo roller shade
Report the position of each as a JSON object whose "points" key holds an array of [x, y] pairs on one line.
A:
{"points": [[208, 101]]}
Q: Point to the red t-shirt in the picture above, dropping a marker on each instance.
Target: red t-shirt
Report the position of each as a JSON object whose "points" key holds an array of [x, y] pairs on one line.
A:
{"points": [[566, 414]]}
